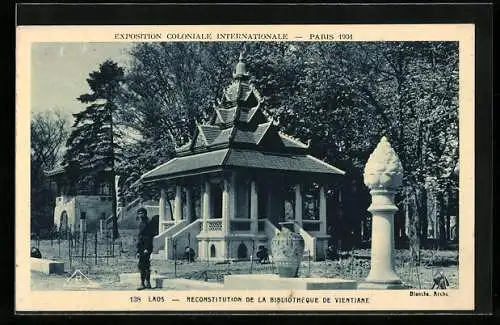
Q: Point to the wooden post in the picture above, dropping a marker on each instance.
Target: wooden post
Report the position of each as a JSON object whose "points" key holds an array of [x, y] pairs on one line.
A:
{"points": [[174, 246], [83, 244], [86, 244], [108, 250], [251, 256], [95, 247], [81, 229], [69, 247]]}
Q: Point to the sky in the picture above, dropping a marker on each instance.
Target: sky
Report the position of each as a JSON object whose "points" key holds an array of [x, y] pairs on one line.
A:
{"points": [[59, 72]]}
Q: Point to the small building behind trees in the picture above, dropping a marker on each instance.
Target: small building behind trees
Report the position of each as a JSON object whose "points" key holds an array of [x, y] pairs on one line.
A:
{"points": [[90, 199]]}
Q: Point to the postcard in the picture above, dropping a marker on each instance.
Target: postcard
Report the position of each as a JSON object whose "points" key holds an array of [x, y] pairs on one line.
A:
{"points": [[245, 168]]}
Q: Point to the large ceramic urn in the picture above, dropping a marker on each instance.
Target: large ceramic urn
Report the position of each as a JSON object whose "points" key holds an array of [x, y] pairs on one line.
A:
{"points": [[287, 249]]}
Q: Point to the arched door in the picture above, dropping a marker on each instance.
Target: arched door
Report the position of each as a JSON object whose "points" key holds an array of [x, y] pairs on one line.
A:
{"points": [[63, 222], [242, 251]]}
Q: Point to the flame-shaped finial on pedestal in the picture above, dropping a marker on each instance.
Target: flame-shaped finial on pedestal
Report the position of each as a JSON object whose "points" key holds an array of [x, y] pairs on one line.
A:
{"points": [[383, 169], [383, 175]]}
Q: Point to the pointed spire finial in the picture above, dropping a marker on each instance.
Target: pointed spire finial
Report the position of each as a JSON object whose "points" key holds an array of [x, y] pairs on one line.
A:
{"points": [[241, 69]]}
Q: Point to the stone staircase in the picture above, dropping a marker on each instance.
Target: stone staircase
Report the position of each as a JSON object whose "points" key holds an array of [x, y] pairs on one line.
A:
{"points": [[182, 233], [159, 241]]}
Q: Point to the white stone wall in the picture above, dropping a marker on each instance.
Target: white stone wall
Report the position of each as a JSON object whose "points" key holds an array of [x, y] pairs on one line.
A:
{"points": [[93, 206], [64, 204], [204, 246], [187, 237]]}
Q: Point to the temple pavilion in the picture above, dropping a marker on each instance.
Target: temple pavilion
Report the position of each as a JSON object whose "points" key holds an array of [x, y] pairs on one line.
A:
{"points": [[238, 182]]}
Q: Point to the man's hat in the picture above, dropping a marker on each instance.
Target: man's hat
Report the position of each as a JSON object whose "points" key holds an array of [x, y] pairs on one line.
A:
{"points": [[143, 210]]}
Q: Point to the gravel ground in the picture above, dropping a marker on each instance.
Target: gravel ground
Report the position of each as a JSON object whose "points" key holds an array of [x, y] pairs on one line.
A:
{"points": [[352, 265]]}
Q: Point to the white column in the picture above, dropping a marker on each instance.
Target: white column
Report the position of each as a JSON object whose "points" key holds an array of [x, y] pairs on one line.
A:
{"points": [[383, 185], [382, 209], [225, 205], [232, 196], [189, 205], [206, 205], [254, 208], [178, 204], [322, 209], [298, 205], [161, 207]]}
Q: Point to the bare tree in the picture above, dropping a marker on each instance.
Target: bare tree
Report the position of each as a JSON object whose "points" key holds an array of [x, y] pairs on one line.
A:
{"points": [[49, 131]]}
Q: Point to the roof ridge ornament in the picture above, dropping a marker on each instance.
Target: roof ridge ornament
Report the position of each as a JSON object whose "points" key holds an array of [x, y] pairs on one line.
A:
{"points": [[241, 69]]}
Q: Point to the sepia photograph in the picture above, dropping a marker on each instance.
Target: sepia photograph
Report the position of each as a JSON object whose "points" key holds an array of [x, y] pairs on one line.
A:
{"points": [[249, 169]]}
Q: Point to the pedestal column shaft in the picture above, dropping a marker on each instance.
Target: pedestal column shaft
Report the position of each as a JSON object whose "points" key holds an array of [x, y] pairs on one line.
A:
{"points": [[382, 209]]}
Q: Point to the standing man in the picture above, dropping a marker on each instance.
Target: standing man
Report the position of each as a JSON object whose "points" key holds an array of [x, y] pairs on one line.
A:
{"points": [[144, 248]]}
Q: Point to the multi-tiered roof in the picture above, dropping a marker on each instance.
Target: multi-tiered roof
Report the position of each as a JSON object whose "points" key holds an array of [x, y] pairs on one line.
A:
{"points": [[239, 135]]}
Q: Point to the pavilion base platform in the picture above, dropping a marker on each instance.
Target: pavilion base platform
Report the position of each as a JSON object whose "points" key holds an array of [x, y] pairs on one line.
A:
{"points": [[274, 282]]}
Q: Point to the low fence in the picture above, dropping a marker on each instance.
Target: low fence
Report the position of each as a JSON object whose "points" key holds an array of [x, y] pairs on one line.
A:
{"points": [[97, 246]]}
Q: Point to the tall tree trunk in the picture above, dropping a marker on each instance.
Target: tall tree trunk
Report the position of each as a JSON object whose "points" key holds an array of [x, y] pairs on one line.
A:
{"points": [[447, 215], [414, 231], [421, 211], [116, 234], [440, 215]]}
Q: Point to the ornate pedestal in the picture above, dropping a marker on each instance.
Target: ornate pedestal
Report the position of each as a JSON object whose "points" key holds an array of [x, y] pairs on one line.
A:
{"points": [[383, 175]]}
